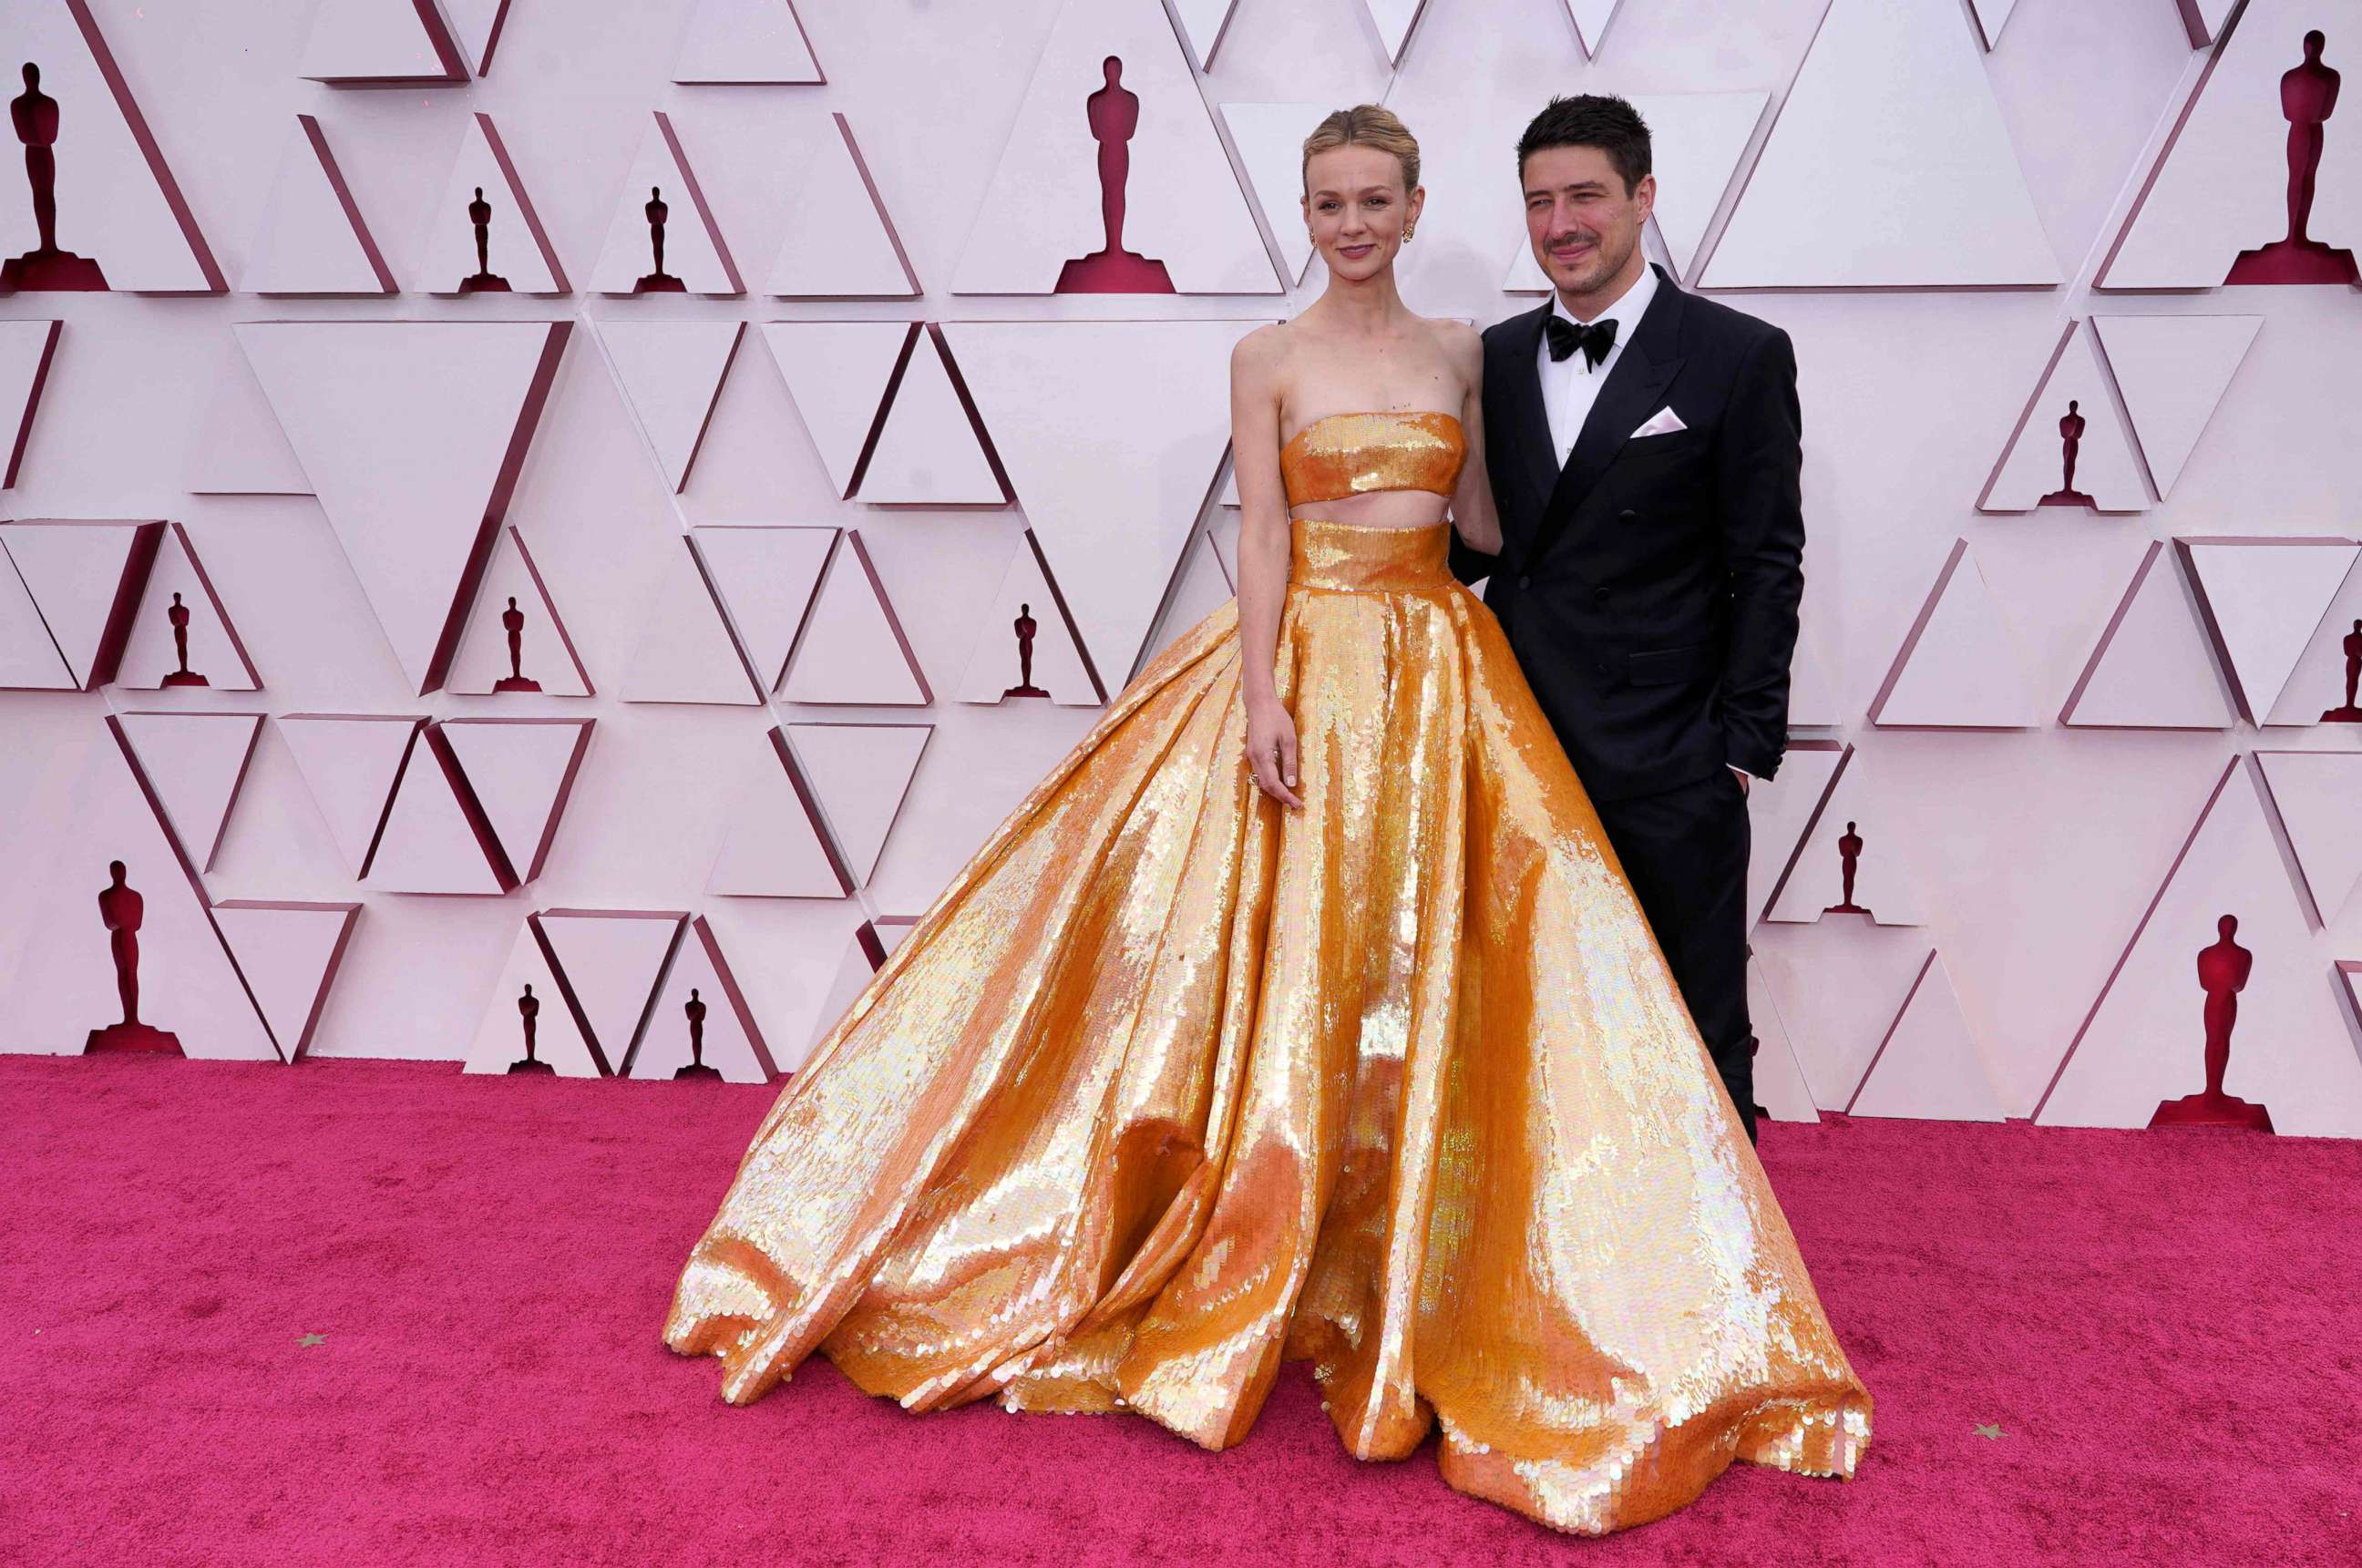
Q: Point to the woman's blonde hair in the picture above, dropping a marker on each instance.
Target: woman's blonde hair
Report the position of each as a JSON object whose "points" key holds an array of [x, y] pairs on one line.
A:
{"points": [[1364, 125]]}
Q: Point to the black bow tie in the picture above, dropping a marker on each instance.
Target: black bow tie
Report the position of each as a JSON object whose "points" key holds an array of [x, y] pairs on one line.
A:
{"points": [[1594, 341]]}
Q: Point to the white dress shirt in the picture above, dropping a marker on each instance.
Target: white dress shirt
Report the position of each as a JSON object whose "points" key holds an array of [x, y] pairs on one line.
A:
{"points": [[1570, 385]]}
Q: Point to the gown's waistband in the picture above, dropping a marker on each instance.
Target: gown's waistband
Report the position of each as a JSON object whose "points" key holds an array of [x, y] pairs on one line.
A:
{"points": [[1355, 558]]}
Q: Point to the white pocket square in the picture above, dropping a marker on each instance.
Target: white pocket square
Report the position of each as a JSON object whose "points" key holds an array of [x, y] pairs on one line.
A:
{"points": [[1664, 421]]}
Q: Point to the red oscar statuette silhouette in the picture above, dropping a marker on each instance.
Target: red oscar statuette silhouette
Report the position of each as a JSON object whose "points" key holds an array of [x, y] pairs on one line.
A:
{"points": [[512, 622], [1025, 627], [2348, 713], [695, 1011], [658, 281], [1849, 862], [2222, 971], [2072, 426], [1114, 112], [484, 282], [178, 614], [2308, 97], [529, 1013], [33, 114], [122, 908]]}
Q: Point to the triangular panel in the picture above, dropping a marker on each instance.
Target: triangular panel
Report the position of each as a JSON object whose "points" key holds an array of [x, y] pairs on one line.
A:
{"points": [[686, 653], [753, 41], [2144, 1044], [1781, 810], [1929, 1066], [179, 602], [1204, 24], [840, 243], [314, 239], [529, 1017], [2325, 687], [512, 253], [1043, 207], [859, 775], [1854, 827], [671, 373], [1591, 20], [87, 579], [853, 649], [1270, 142], [66, 984], [25, 349], [1960, 666], [2262, 599], [611, 960], [381, 43], [2318, 796], [29, 660], [766, 575], [700, 994], [2070, 450], [236, 445], [1894, 92], [773, 847], [122, 223], [927, 451], [351, 763], [413, 433], [2153, 668], [1083, 410], [2216, 208], [1023, 646], [2173, 371], [195, 762], [514, 601], [436, 840], [662, 188], [289, 955], [1780, 1092], [521, 773], [837, 374]]}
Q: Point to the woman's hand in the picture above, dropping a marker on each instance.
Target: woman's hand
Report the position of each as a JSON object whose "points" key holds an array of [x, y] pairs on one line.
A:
{"points": [[1271, 748]]}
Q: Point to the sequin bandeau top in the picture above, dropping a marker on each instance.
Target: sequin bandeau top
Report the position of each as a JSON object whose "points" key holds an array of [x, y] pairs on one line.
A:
{"points": [[1347, 454]]}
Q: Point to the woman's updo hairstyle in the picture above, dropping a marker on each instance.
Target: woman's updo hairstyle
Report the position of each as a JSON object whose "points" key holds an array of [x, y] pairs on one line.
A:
{"points": [[1365, 124]]}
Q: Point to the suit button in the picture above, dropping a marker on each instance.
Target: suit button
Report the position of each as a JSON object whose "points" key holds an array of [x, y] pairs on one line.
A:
{"points": [[1599, 594], [1525, 580], [1627, 516]]}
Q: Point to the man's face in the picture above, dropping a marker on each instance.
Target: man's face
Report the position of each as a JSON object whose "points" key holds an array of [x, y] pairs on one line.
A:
{"points": [[1582, 224]]}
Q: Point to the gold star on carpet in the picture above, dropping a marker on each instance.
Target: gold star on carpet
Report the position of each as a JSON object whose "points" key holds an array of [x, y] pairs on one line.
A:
{"points": [[322, 1339], [1986, 1431]]}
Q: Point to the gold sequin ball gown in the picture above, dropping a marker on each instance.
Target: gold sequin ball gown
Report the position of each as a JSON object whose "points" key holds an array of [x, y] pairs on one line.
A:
{"points": [[1172, 1084]]}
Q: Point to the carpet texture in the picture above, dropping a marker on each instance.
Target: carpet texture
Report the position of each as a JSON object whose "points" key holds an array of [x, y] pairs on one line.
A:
{"points": [[2162, 1328]]}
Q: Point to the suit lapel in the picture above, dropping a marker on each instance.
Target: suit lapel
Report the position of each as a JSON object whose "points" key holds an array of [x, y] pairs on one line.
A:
{"points": [[1629, 395]]}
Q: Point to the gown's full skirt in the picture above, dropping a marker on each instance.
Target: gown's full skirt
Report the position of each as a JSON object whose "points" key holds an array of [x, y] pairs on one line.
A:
{"points": [[1172, 1084]]}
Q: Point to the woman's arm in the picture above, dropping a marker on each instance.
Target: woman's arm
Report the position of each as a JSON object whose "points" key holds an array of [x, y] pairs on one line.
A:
{"points": [[1473, 516], [1264, 551]]}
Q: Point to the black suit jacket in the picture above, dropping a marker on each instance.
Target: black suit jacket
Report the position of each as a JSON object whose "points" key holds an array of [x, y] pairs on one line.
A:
{"points": [[1650, 587]]}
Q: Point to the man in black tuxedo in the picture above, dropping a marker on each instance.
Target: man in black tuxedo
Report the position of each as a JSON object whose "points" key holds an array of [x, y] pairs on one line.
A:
{"points": [[1643, 445]]}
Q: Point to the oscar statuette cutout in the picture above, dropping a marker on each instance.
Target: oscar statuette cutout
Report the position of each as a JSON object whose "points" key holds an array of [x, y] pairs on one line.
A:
{"points": [[122, 909], [2223, 969]]}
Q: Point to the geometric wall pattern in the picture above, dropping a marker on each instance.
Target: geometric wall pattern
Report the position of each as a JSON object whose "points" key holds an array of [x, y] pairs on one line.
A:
{"points": [[533, 656]]}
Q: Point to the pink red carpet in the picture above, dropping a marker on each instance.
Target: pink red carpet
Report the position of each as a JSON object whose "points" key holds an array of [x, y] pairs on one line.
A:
{"points": [[379, 1312]]}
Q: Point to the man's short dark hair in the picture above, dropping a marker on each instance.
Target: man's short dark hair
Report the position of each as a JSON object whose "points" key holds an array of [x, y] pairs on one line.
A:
{"points": [[1592, 119]]}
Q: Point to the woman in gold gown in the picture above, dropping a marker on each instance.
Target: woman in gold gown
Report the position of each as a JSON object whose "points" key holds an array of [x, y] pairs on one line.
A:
{"points": [[1302, 1012]]}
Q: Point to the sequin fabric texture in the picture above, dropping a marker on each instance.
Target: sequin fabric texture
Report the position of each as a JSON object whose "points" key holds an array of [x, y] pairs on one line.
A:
{"points": [[1171, 1085], [1347, 454]]}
